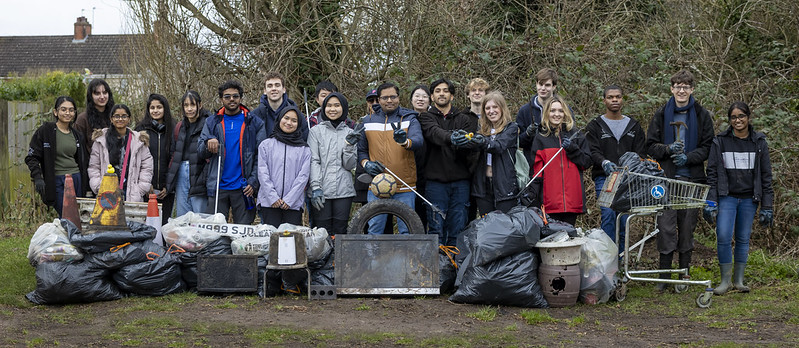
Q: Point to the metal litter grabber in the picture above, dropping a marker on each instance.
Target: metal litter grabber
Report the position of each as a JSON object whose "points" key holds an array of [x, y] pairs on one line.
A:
{"points": [[367, 179], [545, 166]]}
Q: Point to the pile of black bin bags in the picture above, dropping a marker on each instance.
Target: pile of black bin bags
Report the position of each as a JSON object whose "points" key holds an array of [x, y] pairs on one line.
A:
{"points": [[124, 263], [498, 261]]}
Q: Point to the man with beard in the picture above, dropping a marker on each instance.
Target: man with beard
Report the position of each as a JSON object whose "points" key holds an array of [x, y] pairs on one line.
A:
{"points": [[448, 162], [610, 136], [390, 138], [231, 137]]}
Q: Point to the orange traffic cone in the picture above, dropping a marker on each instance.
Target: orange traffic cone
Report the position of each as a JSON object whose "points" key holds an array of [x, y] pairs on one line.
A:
{"points": [[154, 219], [69, 207]]}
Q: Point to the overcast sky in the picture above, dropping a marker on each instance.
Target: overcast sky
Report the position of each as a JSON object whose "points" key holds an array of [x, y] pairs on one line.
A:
{"points": [[57, 17]]}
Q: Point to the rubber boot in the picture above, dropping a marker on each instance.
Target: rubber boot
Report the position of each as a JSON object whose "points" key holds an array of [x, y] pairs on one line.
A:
{"points": [[726, 283], [738, 277], [665, 263], [685, 262]]}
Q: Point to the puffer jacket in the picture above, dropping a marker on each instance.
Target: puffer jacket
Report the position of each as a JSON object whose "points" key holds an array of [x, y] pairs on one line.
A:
{"points": [[332, 159], [377, 143], [283, 171], [502, 147], [562, 190], [197, 167], [254, 133], [140, 166]]}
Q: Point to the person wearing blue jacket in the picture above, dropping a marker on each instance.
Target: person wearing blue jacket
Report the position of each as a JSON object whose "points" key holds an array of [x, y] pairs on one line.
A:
{"points": [[274, 101], [231, 137], [390, 138]]}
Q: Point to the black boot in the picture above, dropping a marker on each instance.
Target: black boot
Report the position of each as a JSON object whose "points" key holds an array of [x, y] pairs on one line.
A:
{"points": [[665, 263]]}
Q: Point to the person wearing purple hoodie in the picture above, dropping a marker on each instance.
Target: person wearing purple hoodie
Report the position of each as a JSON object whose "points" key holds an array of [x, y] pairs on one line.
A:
{"points": [[284, 165]]}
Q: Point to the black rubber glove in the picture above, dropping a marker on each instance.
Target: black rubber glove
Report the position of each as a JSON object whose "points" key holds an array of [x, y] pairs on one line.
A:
{"points": [[373, 167], [766, 217], [353, 138], [38, 184]]}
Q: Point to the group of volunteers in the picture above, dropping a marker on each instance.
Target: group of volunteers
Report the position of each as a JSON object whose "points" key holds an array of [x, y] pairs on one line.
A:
{"points": [[275, 161]]}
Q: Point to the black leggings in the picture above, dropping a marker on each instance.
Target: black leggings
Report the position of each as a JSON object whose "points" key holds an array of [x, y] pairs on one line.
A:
{"points": [[487, 204], [334, 215], [277, 216]]}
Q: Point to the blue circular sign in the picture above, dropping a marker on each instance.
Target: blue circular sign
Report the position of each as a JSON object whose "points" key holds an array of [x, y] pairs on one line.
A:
{"points": [[657, 191]]}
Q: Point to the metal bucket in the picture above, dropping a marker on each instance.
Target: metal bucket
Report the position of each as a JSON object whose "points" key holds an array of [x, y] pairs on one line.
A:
{"points": [[560, 284]]}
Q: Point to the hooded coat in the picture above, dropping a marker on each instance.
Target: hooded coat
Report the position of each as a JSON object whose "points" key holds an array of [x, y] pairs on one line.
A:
{"points": [[140, 166], [332, 159], [283, 170]]}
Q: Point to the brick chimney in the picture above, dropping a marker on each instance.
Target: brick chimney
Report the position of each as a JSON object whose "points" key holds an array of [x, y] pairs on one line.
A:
{"points": [[82, 29]]}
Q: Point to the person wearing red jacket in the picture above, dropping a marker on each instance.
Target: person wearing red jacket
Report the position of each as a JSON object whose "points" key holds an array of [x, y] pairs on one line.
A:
{"points": [[562, 193]]}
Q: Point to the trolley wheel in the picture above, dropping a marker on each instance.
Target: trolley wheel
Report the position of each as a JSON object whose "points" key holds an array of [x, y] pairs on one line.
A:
{"points": [[680, 288], [704, 299], [620, 292]]}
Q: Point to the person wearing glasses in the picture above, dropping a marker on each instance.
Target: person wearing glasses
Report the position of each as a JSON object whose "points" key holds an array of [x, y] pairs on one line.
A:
{"points": [[273, 101], [127, 151], [679, 138], [56, 150], [231, 137], [390, 138], [739, 175]]}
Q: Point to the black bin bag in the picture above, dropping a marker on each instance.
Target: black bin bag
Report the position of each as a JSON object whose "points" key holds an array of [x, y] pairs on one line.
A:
{"points": [[104, 240], [509, 281], [499, 235], [640, 194], [63, 283], [158, 275]]}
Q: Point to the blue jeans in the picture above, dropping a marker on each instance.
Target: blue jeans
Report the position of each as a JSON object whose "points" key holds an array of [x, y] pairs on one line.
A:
{"points": [[183, 202], [378, 223], [452, 198], [609, 217], [736, 216]]}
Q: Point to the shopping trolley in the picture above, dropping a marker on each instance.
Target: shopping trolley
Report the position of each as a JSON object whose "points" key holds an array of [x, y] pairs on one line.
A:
{"points": [[640, 195]]}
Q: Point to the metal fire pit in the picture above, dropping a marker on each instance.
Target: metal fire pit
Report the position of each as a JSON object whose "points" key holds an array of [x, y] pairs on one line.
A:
{"points": [[387, 264]]}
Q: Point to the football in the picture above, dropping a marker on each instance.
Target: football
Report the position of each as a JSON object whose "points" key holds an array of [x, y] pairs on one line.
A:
{"points": [[383, 185]]}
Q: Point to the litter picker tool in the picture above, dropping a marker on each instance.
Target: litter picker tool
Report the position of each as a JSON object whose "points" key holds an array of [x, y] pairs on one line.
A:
{"points": [[677, 126], [218, 173], [546, 164]]}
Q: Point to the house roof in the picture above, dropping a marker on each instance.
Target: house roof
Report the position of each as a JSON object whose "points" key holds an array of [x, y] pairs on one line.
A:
{"points": [[98, 53]]}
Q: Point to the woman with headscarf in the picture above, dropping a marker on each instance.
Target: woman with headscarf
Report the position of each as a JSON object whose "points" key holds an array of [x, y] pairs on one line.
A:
{"points": [[334, 155], [284, 163]]}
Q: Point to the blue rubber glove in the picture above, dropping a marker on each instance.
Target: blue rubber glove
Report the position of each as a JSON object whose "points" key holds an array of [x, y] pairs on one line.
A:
{"points": [[458, 138], [479, 139], [679, 159], [317, 199], [766, 217], [609, 167], [710, 213], [676, 147], [400, 135], [374, 167]]}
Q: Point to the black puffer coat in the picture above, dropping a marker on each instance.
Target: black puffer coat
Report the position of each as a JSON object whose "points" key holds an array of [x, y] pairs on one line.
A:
{"points": [[186, 131]]}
